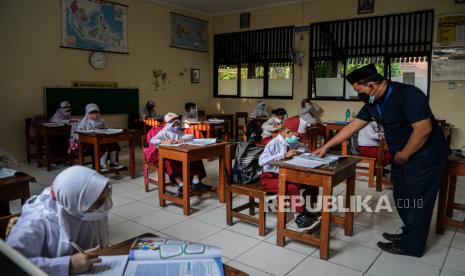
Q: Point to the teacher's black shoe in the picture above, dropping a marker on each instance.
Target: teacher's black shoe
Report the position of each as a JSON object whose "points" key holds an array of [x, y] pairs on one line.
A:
{"points": [[392, 237], [392, 248]]}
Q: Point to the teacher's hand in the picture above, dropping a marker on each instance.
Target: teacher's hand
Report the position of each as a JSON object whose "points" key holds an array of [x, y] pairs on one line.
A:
{"points": [[320, 152], [401, 158]]}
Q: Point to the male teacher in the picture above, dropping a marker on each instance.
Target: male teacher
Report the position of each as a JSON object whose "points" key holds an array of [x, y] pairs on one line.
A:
{"points": [[417, 143]]}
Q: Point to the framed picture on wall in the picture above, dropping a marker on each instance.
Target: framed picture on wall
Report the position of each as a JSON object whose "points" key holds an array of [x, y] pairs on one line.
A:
{"points": [[189, 33], [195, 75], [366, 6], [244, 20]]}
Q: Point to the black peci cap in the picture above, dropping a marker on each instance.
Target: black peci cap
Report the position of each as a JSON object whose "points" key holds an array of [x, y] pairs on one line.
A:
{"points": [[362, 73]]}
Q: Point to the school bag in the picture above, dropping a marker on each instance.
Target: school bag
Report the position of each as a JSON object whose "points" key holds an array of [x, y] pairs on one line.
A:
{"points": [[353, 145], [246, 169], [151, 152]]}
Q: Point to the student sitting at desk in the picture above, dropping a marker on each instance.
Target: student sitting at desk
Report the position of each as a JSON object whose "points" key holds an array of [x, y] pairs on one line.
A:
{"points": [[368, 142], [148, 111], [74, 208], [92, 121], [192, 115], [286, 145], [308, 114], [63, 114], [273, 124], [259, 111], [172, 134]]}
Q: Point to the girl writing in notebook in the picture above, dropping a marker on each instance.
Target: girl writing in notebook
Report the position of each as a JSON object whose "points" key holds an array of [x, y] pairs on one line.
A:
{"points": [[73, 209]]}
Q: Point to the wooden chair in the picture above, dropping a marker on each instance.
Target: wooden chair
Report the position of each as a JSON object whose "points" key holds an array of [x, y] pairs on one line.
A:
{"points": [[149, 123], [373, 163], [147, 165], [240, 127], [228, 118], [253, 191], [6, 224], [31, 135]]}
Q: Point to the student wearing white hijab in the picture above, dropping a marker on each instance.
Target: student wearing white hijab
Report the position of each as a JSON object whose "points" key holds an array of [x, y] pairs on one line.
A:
{"points": [[63, 114], [260, 111], [308, 114], [172, 134], [92, 121], [74, 208]]}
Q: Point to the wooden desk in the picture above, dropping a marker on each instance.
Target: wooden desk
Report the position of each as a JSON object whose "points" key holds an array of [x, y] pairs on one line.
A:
{"points": [[15, 187], [58, 136], [98, 139], [446, 202], [259, 120], [209, 127], [310, 137], [122, 248], [229, 118], [320, 177], [186, 154], [330, 127]]}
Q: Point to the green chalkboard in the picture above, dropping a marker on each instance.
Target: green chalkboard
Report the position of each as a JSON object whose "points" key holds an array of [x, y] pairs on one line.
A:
{"points": [[109, 100]]}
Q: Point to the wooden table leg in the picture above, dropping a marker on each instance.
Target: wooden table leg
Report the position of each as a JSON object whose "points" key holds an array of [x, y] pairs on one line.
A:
{"points": [[349, 216], [47, 153], [38, 151], [325, 219], [81, 153], [186, 181], [161, 181], [132, 160], [280, 238], [97, 156], [221, 184], [442, 203], [451, 195]]}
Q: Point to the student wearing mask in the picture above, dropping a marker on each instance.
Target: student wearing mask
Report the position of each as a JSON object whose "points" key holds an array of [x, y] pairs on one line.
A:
{"points": [[74, 208], [286, 145], [172, 134], [148, 111], [259, 111], [63, 114], [273, 124], [368, 142], [93, 120], [308, 114]]}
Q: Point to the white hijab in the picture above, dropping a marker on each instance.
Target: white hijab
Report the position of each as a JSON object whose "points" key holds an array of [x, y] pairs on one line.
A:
{"points": [[87, 123], [72, 193]]}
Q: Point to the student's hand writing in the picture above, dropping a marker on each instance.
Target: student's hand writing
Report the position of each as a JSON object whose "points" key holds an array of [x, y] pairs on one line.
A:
{"points": [[167, 142], [320, 152], [82, 262], [290, 153]]}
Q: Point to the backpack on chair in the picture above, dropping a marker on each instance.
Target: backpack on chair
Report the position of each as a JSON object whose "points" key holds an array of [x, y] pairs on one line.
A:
{"points": [[246, 169]]}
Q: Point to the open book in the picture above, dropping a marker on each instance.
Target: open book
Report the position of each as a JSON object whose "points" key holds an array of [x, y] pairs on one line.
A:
{"points": [[201, 142], [161, 256], [103, 131]]}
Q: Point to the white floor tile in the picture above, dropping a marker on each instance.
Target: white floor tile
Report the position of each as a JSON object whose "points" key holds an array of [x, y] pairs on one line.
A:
{"points": [[114, 219], [126, 230], [152, 201], [215, 217], [121, 187], [191, 230], [459, 241], [389, 264], [314, 266], [350, 255], [378, 222], [137, 194], [363, 236], [119, 200], [455, 260], [231, 244], [271, 259], [295, 245], [133, 210], [443, 239], [250, 230], [446, 272], [160, 219], [248, 269], [434, 254]]}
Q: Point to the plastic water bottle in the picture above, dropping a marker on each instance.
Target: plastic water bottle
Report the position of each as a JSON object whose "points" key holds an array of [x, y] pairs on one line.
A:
{"points": [[347, 115]]}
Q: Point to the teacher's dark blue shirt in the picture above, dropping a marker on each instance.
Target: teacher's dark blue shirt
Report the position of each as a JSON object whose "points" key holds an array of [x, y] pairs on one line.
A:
{"points": [[406, 105]]}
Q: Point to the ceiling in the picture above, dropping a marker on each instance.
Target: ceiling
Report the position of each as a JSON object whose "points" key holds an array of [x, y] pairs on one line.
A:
{"points": [[216, 7]]}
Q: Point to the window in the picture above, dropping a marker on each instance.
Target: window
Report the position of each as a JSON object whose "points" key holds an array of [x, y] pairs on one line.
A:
{"points": [[254, 64], [399, 45]]}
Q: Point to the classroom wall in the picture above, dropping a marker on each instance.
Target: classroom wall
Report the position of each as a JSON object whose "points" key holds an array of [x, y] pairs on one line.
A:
{"points": [[31, 59], [447, 104]]}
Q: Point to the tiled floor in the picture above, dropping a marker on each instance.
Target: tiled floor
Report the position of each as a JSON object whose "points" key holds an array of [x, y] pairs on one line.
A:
{"points": [[136, 212]]}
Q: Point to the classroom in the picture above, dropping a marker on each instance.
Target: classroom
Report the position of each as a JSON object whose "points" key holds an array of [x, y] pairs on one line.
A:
{"points": [[221, 137]]}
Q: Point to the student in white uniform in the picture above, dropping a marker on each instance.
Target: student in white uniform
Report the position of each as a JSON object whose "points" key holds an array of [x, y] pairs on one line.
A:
{"points": [[74, 208], [63, 114], [93, 120], [368, 142], [148, 111], [273, 124], [260, 111], [308, 114]]}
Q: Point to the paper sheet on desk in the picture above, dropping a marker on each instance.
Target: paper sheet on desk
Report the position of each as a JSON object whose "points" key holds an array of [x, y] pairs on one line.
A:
{"points": [[198, 267], [110, 266], [5, 172], [302, 162]]}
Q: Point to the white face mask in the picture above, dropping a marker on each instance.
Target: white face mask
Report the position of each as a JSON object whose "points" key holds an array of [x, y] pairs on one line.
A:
{"points": [[100, 213]]}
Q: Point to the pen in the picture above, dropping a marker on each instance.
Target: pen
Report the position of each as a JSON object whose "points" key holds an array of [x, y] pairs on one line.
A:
{"points": [[77, 247]]}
